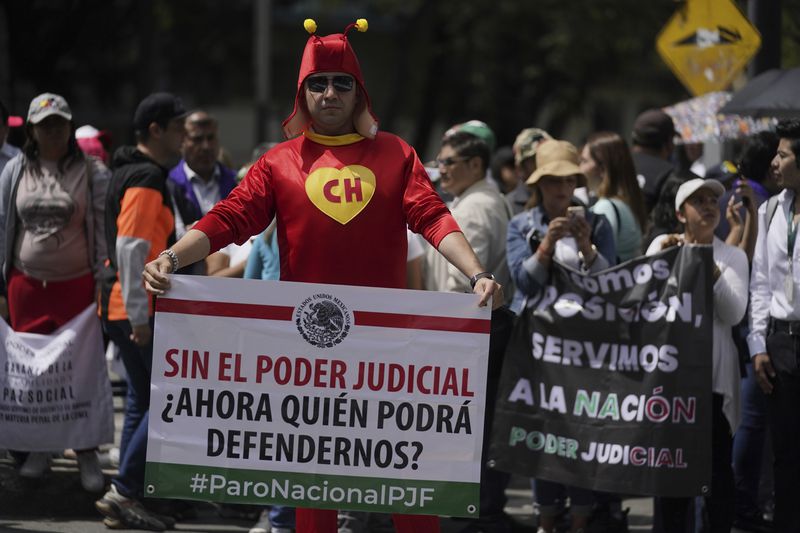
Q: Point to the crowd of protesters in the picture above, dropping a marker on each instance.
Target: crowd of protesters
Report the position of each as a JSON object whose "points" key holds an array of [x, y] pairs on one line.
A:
{"points": [[79, 226]]}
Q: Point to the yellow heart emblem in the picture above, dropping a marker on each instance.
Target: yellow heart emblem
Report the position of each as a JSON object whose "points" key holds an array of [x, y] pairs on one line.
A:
{"points": [[341, 194]]}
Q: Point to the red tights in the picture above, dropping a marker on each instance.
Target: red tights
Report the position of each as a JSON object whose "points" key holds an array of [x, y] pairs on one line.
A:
{"points": [[324, 521]]}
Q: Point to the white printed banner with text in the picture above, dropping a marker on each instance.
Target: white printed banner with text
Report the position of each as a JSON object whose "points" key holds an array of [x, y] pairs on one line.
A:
{"points": [[56, 392], [319, 396]]}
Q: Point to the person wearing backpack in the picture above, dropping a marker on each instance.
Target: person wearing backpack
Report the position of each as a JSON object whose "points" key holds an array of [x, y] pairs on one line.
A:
{"points": [[140, 223]]}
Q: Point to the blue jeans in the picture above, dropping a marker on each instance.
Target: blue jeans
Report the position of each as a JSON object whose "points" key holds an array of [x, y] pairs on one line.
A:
{"points": [[748, 445], [138, 361]]}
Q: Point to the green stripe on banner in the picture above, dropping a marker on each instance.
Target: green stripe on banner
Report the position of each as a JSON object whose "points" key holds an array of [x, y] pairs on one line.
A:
{"points": [[319, 491]]}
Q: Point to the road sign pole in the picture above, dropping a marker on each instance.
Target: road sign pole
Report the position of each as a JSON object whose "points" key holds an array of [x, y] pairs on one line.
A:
{"points": [[765, 15]]}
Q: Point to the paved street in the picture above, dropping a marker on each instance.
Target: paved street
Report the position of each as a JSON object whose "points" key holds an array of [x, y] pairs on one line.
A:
{"points": [[57, 503]]}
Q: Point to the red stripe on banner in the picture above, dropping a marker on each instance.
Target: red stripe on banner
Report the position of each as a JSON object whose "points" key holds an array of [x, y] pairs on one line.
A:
{"points": [[362, 318], [437, 323], [192, 307]]}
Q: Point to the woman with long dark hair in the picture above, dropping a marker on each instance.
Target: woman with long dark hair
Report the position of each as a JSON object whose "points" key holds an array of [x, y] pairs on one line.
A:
{"points": [[608, 166], [52, 241]]}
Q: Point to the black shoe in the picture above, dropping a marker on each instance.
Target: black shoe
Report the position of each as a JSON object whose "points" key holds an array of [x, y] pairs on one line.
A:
{"points": [[605, 521], [499, 523], [176, 510]]}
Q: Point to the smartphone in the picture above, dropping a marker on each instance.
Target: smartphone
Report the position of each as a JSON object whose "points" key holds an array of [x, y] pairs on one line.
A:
{"points": [[576, 211], [738, 197]]}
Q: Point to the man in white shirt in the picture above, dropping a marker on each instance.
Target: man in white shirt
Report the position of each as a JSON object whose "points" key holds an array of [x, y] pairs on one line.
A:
{"points": [[483, 214], [774, 339], [480, 210]]}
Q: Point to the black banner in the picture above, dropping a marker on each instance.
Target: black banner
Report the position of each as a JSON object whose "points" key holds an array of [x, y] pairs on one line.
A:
{"points": [[606, 383]]}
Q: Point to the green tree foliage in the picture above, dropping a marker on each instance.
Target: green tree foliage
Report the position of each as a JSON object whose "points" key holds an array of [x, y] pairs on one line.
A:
{"points": [[511, 63]]}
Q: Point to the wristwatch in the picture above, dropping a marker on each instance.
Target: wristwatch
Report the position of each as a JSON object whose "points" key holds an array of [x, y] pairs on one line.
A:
{"points": [[480, 275]]}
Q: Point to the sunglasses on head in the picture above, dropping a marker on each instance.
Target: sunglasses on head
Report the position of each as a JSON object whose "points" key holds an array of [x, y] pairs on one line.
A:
{"points": [[318, 84]]}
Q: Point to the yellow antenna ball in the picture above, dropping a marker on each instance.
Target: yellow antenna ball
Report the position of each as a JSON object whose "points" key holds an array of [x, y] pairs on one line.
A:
{"points": [[310, 26], [361, 25]]}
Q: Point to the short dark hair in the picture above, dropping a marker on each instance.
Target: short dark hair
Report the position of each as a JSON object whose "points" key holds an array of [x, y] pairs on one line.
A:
{"points": [[789, 128], [757, 154], [468, 145], [205, 119], [653, 129], [502, 158]]}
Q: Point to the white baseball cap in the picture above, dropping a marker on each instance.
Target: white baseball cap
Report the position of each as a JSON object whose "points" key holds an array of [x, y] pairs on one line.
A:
{"points": [[690, 187]]}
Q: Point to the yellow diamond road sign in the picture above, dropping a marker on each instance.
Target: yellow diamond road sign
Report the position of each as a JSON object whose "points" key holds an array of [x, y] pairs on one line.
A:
{"points": [[707, 43]]}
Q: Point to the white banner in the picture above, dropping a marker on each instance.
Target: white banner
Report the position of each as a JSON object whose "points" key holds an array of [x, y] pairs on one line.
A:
{"points": [[317, 385], [55, 388]]}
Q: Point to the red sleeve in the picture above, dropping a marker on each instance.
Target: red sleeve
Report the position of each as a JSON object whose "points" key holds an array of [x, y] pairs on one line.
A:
{"points": [[246, 211], [425, 211]]}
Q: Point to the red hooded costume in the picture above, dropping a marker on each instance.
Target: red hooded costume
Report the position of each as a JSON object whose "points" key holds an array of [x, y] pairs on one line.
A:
{"points": [[342, 203]]}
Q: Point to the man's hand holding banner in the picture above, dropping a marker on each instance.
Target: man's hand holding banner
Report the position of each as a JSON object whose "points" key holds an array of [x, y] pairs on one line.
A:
{"points": [[318, 396]]}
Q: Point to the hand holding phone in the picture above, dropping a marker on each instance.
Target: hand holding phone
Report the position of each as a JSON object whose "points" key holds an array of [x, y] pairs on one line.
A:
{"points": [[576, 211]]}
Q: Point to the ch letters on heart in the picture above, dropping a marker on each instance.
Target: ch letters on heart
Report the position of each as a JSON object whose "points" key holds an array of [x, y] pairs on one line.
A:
{"points": [[341, 193]]}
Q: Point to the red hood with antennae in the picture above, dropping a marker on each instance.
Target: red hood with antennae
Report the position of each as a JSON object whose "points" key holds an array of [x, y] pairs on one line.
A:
{"points": [[331, 53]]}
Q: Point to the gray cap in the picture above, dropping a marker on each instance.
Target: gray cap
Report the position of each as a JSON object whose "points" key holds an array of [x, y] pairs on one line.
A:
{"points": [[527, 142], [48, 104]]}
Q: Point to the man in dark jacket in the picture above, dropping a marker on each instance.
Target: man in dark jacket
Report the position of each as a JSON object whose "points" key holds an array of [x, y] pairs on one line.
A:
{"points": [[652, 145], [139, 223]]}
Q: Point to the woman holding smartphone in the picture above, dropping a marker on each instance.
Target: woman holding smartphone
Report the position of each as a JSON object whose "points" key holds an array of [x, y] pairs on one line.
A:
{"points": [[556, 227]]}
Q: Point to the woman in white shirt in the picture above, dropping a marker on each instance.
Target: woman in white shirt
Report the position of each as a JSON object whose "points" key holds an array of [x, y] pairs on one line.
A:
{"points": [[697, 208]]}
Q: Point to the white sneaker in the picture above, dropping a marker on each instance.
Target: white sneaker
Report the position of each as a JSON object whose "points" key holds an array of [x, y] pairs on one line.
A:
{"points": [[113, 457], [263, 525], [35, 465], [91, 475]]}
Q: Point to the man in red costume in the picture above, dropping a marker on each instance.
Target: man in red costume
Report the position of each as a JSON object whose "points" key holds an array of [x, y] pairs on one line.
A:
{"points": [[342, 193]]}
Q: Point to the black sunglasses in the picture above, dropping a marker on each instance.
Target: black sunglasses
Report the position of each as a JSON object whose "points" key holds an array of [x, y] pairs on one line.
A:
{"points": [[318, 84], [448, 161]]}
